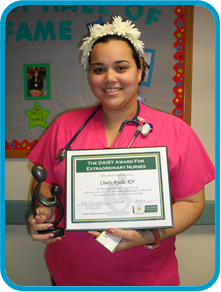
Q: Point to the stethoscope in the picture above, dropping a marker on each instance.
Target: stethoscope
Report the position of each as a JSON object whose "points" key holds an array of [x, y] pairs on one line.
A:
{"points": [[145, 129]]}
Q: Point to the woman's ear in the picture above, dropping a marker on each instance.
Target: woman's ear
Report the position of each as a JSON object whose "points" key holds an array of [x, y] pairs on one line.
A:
{"points": [[139, 74], [88, 77]]}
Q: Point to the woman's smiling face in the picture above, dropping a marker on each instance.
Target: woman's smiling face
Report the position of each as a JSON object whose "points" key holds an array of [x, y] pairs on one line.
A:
{"points": [[114, 75]]}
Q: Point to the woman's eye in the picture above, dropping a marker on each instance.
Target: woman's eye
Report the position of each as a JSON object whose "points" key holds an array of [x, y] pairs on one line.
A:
{"points": [[121, 68], [98, 70]]}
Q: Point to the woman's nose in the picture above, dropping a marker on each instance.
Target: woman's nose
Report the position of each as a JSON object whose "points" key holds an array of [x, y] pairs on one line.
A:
{"points": [[110, 76]]}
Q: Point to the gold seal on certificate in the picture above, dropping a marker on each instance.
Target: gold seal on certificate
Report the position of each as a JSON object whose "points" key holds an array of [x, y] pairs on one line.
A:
{"points": [[118, 188]]}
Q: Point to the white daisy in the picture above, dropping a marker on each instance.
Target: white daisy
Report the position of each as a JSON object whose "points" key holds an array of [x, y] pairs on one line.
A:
{"points": [[118, 27], [139, 208], [125, 27]]}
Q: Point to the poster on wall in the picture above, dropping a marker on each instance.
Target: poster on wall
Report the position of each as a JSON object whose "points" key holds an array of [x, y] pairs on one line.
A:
{"points": [[37, 81], [42, 59], [147, 63]]}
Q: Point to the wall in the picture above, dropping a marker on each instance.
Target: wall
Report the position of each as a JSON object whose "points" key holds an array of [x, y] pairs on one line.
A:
{"points": [[25, 263], [59, 51], [189, 243]]}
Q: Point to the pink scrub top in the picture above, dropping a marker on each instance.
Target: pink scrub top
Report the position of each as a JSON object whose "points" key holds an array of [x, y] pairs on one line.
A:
{"points": [[79, 260]]}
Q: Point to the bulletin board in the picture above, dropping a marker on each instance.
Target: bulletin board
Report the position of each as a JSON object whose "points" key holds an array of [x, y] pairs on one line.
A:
{"points": [[45, 38]]}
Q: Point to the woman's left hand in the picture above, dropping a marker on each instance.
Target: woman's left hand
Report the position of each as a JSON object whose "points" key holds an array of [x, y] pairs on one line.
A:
{"points": [[186, 212], [130, 238]]}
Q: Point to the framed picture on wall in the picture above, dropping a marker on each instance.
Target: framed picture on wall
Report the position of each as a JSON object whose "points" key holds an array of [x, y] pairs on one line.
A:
{"points": [[147, 61], [37, 81]]}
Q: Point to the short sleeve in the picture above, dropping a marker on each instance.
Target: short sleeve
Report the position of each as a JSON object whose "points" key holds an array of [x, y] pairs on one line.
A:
{"points": [[194, 168]]}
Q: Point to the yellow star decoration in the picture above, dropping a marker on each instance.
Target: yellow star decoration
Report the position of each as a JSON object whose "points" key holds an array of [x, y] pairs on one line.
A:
{"points": [[37, 116]]}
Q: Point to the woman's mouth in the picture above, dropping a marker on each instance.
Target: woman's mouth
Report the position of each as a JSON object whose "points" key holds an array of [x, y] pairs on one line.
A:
{"points": [[110, 90]]}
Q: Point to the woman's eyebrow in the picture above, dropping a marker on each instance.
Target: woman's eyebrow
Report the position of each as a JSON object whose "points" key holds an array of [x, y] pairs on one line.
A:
{"points": [[121, 61], [97, 64], [117, 62]]}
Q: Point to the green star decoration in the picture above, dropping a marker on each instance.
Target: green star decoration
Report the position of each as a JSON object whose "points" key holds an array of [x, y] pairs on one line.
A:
{"points": [[37, 116]]}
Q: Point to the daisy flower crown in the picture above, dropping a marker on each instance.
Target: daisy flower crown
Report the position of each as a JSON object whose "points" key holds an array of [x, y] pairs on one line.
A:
{"points": [[118, 27]]}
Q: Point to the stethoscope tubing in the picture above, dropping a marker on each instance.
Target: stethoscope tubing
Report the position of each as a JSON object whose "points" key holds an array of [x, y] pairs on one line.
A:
{"points": [[133, 120], [82, 127], [62, 152]]}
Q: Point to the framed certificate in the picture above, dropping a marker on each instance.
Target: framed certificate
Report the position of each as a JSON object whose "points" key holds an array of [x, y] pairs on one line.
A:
{"points": [[118, 188]]}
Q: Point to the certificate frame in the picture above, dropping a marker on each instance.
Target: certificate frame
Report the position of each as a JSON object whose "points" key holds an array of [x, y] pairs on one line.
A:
{"points": [[127, 188]]}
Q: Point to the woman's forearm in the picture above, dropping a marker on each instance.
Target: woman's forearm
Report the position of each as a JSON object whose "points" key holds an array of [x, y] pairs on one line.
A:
{"points": [[186, 212]]}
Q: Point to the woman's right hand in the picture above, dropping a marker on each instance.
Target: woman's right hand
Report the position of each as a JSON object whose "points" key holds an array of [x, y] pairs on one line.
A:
{"points": [[42, 222]]}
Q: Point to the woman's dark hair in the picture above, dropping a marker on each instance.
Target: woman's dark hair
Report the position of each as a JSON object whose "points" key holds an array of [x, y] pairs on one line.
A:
{"points": [[39, 77], [107, 38]]}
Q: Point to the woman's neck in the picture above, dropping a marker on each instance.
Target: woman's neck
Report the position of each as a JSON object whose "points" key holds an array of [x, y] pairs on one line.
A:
{"points": [[112, 117], [113, 120]]}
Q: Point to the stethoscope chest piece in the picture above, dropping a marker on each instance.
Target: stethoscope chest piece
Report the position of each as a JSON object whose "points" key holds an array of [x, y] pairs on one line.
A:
{"points": [[146, 129], [61, 154]]}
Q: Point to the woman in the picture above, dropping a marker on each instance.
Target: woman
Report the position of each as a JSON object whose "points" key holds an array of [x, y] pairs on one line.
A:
{"points": [[144, 257], [36, 84]]}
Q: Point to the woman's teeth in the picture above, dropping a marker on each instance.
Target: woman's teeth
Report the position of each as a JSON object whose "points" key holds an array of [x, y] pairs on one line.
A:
{"points": [[111, 90]]}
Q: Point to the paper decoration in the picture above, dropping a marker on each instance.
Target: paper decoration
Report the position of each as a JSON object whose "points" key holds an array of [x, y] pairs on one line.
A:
{"points": [[179, 45], [99, 21], [24, 145], [37, 116]]}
